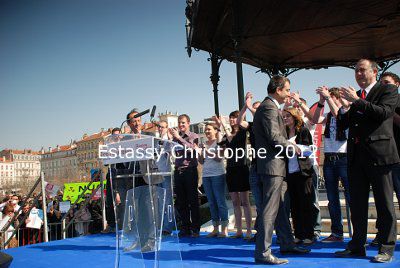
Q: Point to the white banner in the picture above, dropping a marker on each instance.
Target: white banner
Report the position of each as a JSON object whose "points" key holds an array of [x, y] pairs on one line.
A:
{"points": [[127, 151], [65, 206], [51, 189], [34, 220]]}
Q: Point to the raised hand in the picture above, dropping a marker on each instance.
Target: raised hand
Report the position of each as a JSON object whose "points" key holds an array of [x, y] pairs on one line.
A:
{"points": [[295, 96], [323, 91], [345, 103], [217, 120], [249, 99], [348, 93], [174, 132], [287, 103]]}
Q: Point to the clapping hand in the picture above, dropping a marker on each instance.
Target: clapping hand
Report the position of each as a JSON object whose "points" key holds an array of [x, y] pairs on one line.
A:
{"points": [[348, 93], [217, 120], [249, 100], [295, 96], [198, 149], [323, 91], [345, 103], [174, 132]]}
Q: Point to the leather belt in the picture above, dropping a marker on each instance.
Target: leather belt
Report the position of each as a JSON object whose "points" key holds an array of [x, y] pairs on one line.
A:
{"points": [[334, 156]]}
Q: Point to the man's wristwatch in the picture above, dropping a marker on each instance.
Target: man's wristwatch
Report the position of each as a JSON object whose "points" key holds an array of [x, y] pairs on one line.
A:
{"points": [[327, 97]]}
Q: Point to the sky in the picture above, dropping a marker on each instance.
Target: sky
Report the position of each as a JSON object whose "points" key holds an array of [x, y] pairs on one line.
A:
{"points": [[69, 67]]}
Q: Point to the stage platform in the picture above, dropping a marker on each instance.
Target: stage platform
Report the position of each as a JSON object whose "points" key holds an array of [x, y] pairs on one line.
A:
{"points": [[99, 251]]}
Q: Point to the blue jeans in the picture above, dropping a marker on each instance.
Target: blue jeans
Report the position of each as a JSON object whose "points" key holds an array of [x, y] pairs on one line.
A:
{"points": [[169, 215], [396, 181], [215, 190], [256, 190], [316, 215], [335, 170]]}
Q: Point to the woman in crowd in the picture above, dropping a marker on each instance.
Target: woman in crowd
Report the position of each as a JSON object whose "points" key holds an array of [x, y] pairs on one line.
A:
{"points": [[96, 224], [82, 219], [299, 178], [8, 214], [53, 218], [237, 173], [71, 232], [211, 156]]}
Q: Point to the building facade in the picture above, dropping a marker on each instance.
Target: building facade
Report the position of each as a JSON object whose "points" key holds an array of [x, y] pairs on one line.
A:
{"points": [[60, 165], [7, 175], [26, 166], [170, 118], [87, 153]]}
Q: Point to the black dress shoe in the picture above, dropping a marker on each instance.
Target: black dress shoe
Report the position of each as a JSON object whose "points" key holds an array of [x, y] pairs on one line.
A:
{"points": [[195, 234], [347, 253], [149, 246], [184, 233], [135, 245], [252, 240], [375, 242], [271, 259], [166, 233], [382, 258], [296, 250]]}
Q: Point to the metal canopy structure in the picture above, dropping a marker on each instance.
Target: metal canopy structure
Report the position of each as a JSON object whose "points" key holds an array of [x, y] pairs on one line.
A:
{"points": [[280, 37]]}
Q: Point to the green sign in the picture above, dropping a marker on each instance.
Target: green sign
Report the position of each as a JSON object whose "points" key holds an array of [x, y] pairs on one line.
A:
{"points": [[73, 190]]}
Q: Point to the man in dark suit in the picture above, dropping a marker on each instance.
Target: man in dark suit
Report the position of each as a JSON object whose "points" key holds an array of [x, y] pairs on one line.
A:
{"points": [[270, 137], [394, 79], [372, 153]]}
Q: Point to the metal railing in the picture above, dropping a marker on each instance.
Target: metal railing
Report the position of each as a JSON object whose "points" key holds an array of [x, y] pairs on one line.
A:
{"points": [[29, 236]]}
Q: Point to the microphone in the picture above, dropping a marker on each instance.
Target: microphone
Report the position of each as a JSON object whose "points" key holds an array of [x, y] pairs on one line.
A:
{"points": [[153, 112], [142, 113]]}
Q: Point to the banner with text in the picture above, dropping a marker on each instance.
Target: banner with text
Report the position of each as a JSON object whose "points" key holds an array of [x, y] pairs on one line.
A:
{"points": [[73, 190]]}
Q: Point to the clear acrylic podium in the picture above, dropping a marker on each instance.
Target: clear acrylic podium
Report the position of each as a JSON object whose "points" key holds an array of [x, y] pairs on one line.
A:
{"points": [[146, 211]]}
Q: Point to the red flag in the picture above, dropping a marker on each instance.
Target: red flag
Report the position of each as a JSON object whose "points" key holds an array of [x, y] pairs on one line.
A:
{"points": [[318, 131]]}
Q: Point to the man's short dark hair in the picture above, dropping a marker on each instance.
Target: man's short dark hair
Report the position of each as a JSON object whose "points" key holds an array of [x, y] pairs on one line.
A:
{"points": [[115, 130], [277, 81], [394, 76], [335, 92], [163, 121], [134, 110], [184, 116], [373, 64], [234, 114]]}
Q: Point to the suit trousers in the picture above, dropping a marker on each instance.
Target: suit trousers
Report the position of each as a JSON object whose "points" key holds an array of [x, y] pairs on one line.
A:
{"points": [[187, 201], [362, 174], [274, 215], [301, 190]]}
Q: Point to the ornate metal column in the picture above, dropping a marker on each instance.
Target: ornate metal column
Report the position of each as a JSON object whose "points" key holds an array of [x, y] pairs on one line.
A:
{"points": [[215, 64], [237, 39]]}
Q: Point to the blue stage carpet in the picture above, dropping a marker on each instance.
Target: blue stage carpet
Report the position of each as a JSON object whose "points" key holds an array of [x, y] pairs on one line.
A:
{"points": [[99, 251]]}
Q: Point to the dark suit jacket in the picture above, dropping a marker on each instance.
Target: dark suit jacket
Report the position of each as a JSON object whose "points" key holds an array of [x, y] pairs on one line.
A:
{"points": [[370, 124], [396, 129], [269, 132]]}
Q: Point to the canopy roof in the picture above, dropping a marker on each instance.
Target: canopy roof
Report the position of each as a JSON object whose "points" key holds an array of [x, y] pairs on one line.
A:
{"points": [[297, 34]]}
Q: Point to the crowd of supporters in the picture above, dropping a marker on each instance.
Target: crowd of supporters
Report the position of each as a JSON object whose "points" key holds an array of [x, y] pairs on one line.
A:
{"points": [[235, 175]]}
